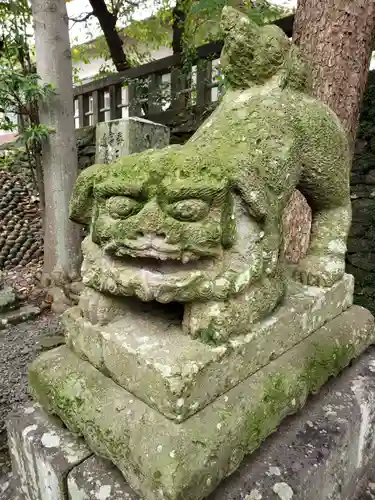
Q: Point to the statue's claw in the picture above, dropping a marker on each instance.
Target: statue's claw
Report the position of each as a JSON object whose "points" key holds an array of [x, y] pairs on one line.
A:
{"points": [[320, 270]]}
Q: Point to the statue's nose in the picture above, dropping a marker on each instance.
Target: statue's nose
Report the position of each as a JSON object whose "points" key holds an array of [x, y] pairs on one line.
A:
{"points": [[150, 235], [149, 222]]}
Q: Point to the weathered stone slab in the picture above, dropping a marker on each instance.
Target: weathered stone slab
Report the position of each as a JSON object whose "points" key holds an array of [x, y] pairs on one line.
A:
{"points": [[162, 459], [98, 479], [7, 298], [322, 453], [117, 138], [43, 452], [16, 316], [153, 359]]}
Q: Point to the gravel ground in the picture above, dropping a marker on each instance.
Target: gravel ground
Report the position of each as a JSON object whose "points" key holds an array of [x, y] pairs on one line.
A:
{"points": [[19, 344]]}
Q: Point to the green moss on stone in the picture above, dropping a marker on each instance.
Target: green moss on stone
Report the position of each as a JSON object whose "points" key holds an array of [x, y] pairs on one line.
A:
{"points": [[237, 173], [282, 396], [263, 141], [325, 362]]}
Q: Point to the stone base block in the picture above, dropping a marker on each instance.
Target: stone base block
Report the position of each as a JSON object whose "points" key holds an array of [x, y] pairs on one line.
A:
{"points": [[7, 298], [324, 453], [16, 316], [162, 459], [327, 452], [149, 356], [43, 452]]}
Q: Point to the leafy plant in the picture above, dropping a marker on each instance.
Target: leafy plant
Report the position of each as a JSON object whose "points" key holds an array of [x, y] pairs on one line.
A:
{"points": [[20, 86]]}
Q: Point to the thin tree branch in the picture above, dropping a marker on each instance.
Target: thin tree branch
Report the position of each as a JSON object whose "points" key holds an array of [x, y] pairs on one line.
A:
{"points": [[86, 17], [117, 5]]}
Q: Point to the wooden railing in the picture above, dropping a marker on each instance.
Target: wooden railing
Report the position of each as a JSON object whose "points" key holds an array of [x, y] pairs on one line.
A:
{"points": [[157, 90]]}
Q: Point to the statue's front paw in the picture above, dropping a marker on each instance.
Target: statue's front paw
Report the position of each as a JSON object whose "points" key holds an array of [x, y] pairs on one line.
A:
{"points": [[322, 271], [207, 321]]}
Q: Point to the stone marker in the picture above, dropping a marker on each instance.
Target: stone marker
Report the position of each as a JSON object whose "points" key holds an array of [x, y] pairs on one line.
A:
{"points": [[11, 311], [98, 479], [192, 340], [118, 138], [43, 452]]}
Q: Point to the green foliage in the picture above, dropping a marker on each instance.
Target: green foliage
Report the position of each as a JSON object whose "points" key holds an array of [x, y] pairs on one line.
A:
{"points": [[11, 158], [202, 25], [140, 36], [36, 134], [20, 88], [19, 94], [203, 17]]}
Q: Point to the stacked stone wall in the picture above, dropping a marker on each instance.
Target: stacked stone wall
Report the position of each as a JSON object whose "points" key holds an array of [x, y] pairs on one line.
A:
{"points": [[21, 236], [361, 243]]}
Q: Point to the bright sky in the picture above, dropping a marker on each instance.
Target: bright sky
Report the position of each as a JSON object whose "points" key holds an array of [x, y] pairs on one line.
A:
{"points": [[80, 34]]}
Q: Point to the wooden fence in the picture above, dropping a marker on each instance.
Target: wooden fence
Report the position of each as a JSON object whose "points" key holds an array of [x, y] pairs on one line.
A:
{"points": [[157, 90]]}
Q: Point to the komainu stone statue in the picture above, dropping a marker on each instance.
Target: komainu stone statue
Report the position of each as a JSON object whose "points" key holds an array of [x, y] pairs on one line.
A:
{"points": [[192, 341], [201, 223]]}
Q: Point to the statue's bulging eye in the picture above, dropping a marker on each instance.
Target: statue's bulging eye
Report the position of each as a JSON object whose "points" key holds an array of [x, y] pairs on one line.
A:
{"points": [[120, 207], [188, 210]]}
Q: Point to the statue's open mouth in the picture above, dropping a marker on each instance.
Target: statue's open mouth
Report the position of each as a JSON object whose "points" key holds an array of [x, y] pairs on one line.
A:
{"points": [[148, 252], [149, 249]]}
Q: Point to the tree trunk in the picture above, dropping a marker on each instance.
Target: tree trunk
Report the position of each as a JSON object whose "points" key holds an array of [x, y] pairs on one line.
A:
{"points": [[337, 37], [179, 16], [107, 22], [61, 236]]}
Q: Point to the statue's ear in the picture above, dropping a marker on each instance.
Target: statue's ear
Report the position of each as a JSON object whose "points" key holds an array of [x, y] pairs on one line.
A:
{"points": [[81, 201], [241, 42], [233, 19], [253, 192]]}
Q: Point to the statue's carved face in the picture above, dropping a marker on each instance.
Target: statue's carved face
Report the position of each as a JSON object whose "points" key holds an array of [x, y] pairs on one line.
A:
{"points": [[168, 225], [165, 219]]}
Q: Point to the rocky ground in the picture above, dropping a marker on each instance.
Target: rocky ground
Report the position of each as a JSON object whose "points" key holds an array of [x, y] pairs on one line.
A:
{"points": [[19, 344], [368, 494]]}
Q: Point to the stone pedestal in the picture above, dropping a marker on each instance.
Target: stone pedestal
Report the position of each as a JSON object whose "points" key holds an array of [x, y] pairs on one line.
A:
{"points": [[324, 452], [118, 138], [177, 416], [150, 356]]}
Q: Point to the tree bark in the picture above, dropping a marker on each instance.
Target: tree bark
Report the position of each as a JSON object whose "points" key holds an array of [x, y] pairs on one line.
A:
{"points": [[107, 21], [62, 241], [336, 36]]}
